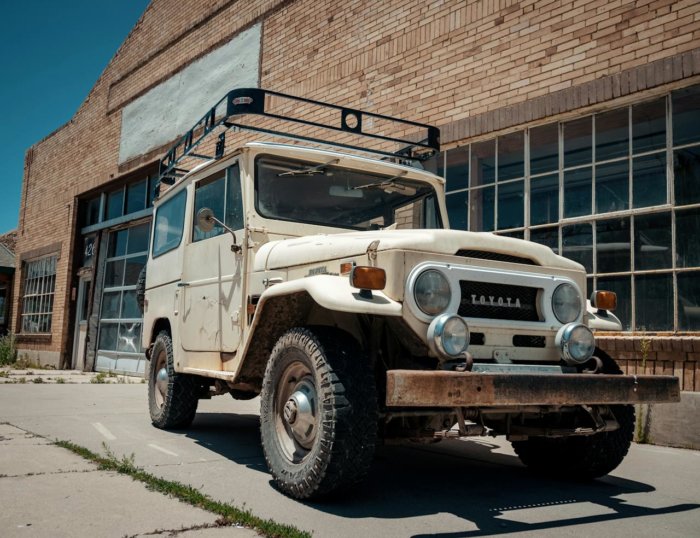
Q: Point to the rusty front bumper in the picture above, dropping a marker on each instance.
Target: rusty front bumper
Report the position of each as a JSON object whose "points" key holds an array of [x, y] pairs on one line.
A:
{"points": [[411, 388]]}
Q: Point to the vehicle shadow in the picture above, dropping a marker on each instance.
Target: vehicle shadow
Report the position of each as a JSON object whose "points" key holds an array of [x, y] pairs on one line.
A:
{"points": [[467, 479]]}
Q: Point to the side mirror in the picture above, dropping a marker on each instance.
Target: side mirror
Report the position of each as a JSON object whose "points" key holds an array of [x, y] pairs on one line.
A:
{"points": [[206, 221]]}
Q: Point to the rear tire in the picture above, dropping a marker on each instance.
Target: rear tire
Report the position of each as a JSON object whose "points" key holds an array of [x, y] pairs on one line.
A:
{"points": [[172, 397], [318, 412], [582, 457]]}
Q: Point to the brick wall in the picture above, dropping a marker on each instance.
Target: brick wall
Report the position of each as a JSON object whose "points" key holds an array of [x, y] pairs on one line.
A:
{"points": [[650, 354], [440, 62]]}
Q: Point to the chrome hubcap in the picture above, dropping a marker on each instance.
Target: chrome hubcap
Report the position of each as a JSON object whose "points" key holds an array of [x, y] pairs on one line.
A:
{"points": [[161, 381], [296, 413]]}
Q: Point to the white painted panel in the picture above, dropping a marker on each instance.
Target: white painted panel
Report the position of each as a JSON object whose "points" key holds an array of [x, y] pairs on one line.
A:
{"points": [[171, 108]]}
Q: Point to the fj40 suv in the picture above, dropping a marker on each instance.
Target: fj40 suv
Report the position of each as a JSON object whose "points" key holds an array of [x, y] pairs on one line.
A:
{"points": [[329, 284]]}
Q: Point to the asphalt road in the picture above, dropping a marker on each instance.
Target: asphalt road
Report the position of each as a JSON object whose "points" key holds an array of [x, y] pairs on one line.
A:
{"points": [[452, 489]]}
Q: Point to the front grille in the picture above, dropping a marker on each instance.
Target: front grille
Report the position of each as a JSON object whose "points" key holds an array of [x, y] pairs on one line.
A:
{"points": [[476, 339], [495, 256], [498, 301], [529, 340]]}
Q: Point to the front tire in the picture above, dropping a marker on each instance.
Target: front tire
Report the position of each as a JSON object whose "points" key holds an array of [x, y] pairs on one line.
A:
{"points": [[318, 412], [582, 458], [172, 397]]}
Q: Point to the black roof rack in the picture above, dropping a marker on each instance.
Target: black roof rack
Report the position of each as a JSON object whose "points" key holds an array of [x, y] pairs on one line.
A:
{"points": [[419, 141]]}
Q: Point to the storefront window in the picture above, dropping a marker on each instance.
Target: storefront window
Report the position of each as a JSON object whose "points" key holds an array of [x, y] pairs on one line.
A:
{"points": [[611, 200]]}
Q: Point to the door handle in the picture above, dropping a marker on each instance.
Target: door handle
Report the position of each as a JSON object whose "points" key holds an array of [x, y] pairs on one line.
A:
{"points": [[183, 284]]}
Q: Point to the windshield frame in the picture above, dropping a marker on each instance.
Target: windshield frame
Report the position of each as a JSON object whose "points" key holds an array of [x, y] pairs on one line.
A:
{"points": [[401, 176]]}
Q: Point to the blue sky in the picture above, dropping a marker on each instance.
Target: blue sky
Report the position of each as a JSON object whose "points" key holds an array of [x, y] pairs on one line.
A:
{"points": [[51, 54]]}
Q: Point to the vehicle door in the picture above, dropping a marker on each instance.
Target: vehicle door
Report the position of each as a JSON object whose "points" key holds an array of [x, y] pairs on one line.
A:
{"points": [[212, 275]]}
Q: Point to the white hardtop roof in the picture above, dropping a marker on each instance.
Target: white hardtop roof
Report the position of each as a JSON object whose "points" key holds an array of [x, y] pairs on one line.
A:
{"points": [[301, 152]]}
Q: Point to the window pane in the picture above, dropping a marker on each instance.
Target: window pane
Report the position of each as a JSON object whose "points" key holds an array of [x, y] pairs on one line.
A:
{"points": [[481, 209], [130, 308], [544, 148], [612, 187], [621, 285], [510, 205], [117, 243], [654, 302], [511, 156], [457, 169], [115, 204], [688, 238], [457, 210], [211, 195], [483, 165], [129, 338], [108, 336], [435, 164], [138, 238], [689, 301], [577, 244], [136, 196], [686, 115], [577, 192], [546, 236], [114, 273], [110, 304], [577, 142], [169, 223], [649, 126], [613, 245], [686, 169], [544, 199], [133, 268], [652, 241], [649, 180], [517, 234], [234, 199], [92, 211], [611, 134]]}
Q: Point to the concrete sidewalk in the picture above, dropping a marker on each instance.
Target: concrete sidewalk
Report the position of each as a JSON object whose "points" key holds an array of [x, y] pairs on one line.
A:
{"points": [[48, 375], [48, 491]]}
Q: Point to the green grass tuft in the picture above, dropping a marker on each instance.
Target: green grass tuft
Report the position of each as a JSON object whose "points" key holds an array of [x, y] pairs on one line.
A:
{"points": [[230, 515]]}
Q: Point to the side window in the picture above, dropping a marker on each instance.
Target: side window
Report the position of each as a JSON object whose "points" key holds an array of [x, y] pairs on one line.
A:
{"points": [[170, 220], [209, 193], [234, 199], [221, 194]]}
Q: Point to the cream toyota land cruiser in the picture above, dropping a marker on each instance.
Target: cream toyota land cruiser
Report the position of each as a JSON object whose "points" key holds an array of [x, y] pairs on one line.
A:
{"points": [[329, 284]]}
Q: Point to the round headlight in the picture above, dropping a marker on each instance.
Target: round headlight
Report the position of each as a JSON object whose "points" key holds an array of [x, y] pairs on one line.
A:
{"points": [[566, 303], [448, 335], [576, 342], [432, 292]]}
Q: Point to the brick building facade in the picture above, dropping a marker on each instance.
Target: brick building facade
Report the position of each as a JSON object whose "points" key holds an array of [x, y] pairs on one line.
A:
{"points": [[538, 102]]}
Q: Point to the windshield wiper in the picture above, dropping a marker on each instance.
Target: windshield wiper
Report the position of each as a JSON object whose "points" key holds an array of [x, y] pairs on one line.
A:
{"points": [[382, 184], [310, 171]]}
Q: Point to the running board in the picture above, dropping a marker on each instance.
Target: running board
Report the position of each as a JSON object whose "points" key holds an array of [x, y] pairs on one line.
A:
{"points": [[216, 374]]}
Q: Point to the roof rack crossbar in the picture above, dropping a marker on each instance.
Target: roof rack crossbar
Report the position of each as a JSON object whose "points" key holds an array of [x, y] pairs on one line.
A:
{"points": [[254, 102]]}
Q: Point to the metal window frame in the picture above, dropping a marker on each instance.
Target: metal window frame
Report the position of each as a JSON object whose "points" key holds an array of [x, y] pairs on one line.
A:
{"points": [[41, 288]]}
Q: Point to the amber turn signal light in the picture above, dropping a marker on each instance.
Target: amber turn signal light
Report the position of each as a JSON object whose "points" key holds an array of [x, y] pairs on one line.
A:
{"points": [[368, 278], [604, 300]]}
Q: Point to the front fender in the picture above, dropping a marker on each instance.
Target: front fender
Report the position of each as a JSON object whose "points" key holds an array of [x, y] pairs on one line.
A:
{"points": [[335, 293], [602, 320]]}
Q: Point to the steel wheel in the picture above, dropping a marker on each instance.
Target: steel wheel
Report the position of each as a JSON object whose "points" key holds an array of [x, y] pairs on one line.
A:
{"points": [[161, 381], [296, 411], [172, 397], [318, 412]]}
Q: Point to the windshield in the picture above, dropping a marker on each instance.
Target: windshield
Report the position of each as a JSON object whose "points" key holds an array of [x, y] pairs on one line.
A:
{"points": [[325, 194]]}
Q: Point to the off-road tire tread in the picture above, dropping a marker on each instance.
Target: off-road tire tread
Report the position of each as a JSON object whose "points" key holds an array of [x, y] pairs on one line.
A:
{"points": [[348, 432], [181, 402], [582, 458]]}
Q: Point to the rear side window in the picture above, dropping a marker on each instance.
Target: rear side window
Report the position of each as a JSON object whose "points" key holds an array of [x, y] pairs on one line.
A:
{"points": [[170, 220]]}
